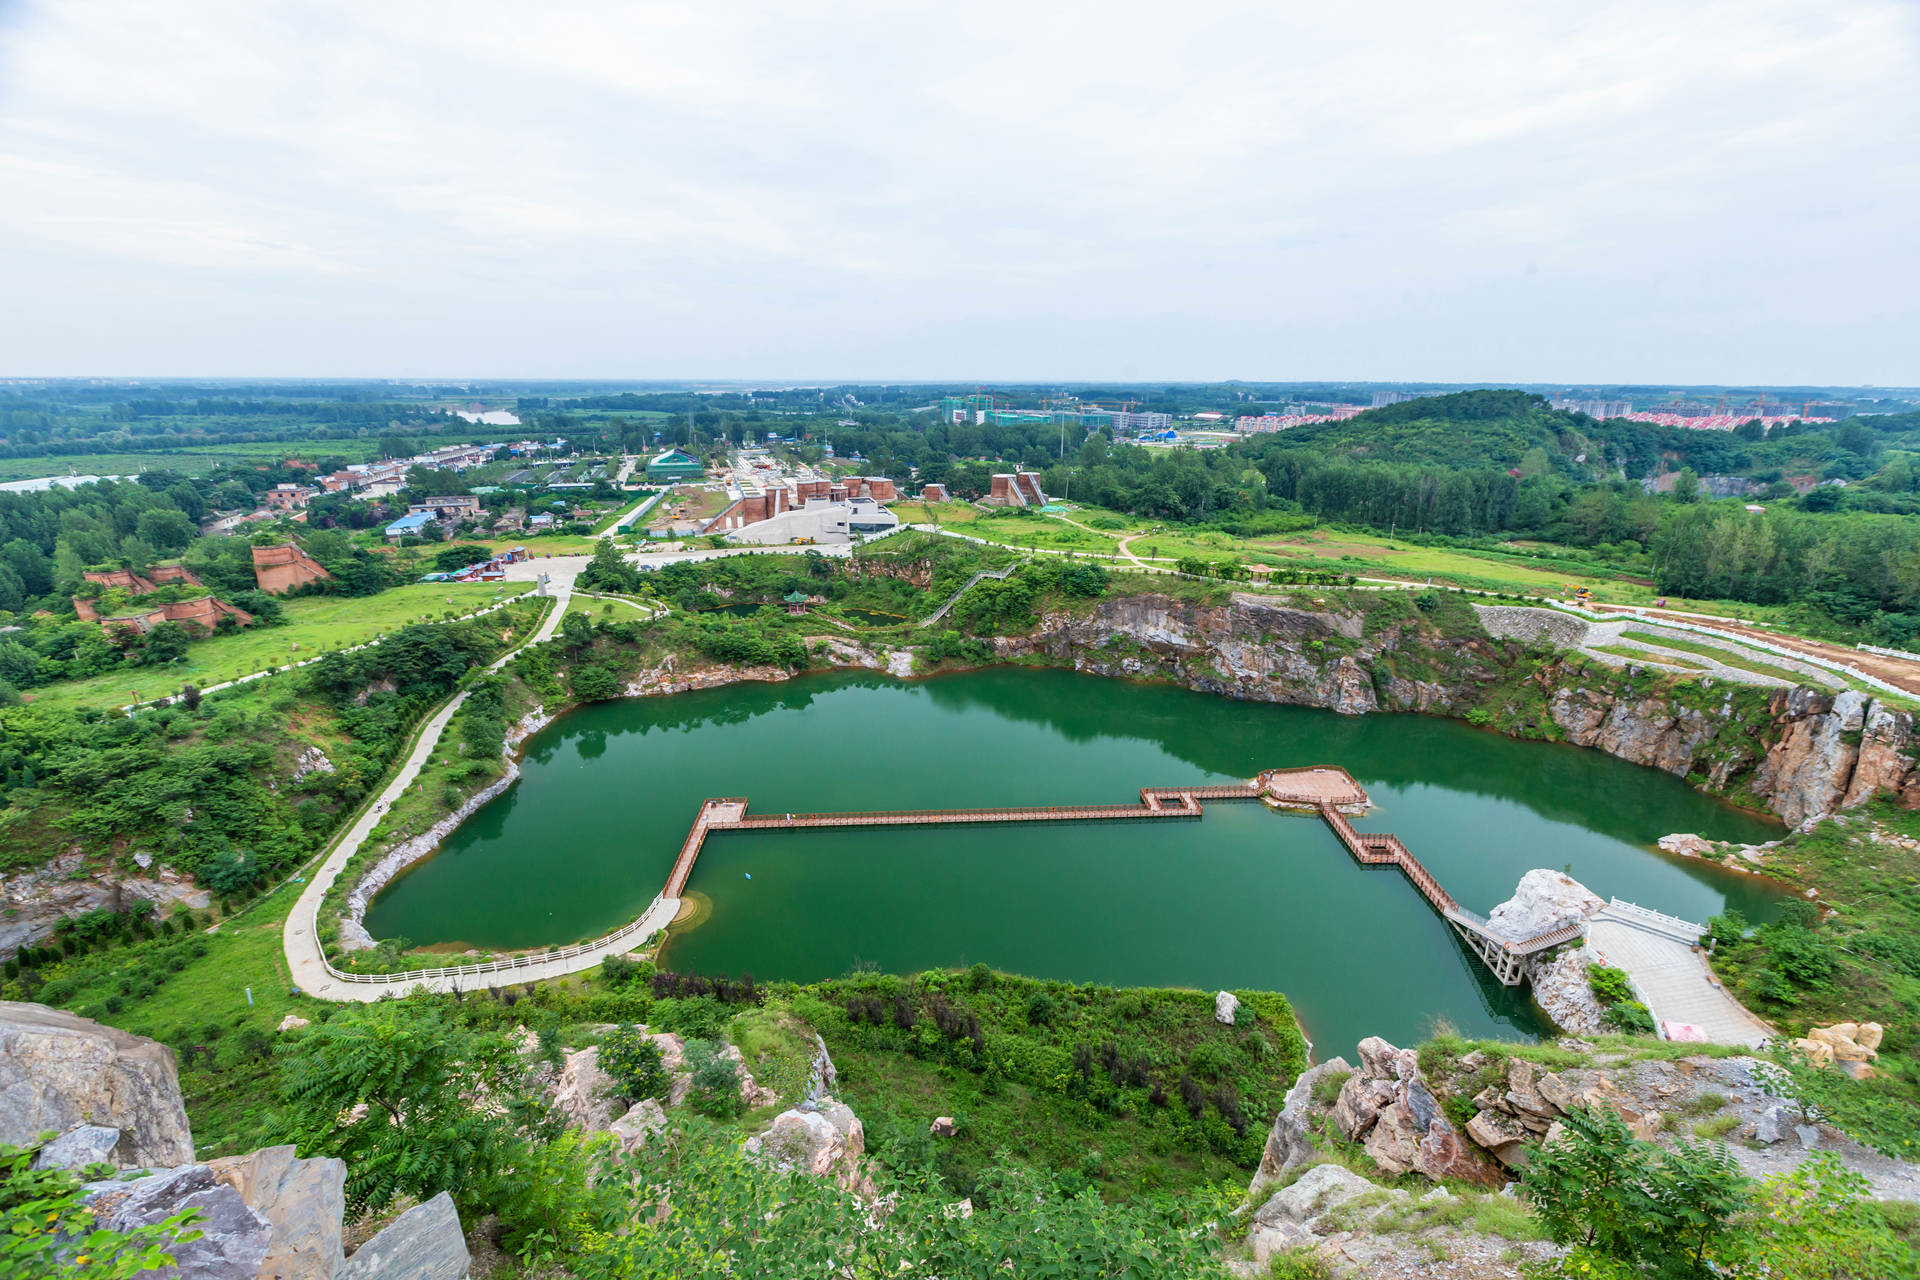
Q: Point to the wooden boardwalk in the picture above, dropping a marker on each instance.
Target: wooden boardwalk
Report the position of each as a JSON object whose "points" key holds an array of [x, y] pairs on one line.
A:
{"points": [[1326, 791]]}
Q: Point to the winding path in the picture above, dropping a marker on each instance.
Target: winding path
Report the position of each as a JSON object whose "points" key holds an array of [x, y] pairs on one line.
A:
{"points": [[309, 967]]}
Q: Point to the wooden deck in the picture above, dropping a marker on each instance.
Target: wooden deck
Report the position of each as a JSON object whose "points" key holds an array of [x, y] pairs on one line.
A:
{"points": [[1328, 791]]}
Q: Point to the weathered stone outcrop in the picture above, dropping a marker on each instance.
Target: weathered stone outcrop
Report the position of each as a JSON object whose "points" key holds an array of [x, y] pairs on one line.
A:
{"points": [[1806, 754], [1290, 1141], [38, 898], [1560, 987], [233, 1242], [1543, 902], [823, 1142], [59, 1071], [424, 1243], [303, 1202], [1389, 1105]]}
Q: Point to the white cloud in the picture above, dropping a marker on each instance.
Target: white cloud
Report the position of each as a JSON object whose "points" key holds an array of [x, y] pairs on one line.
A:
{"points": [[1479, 190]]}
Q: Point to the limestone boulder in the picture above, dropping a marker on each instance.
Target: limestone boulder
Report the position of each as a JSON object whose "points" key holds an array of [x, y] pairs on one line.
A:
{"points": [[1359, 1104], [1843, 1038], [1687, 845], [826, 1142], [943, 1127], [424, 1243], [1323, 1187], [1226, 1007], [638, 1125], [1817, 1052], [233, 1238], [76, 1149], [1290, 1142], [1543, 901], [293, 1022], [303, 1202], [58, 1072], [1503, 1135], [583, 1093]]}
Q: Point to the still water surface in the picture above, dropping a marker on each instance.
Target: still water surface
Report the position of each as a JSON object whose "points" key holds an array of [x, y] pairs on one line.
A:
{"points": [[1241, 898]]}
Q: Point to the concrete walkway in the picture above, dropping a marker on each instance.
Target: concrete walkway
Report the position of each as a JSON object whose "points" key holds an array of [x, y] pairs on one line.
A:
{"points": [[1673, 977], [300, 941]]}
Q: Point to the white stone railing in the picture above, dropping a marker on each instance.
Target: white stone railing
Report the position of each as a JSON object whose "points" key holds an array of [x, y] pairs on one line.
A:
{"points": [[409, 976]]}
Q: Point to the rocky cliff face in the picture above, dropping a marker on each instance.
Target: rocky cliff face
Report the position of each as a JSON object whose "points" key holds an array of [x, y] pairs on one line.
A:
{"points": [[1803, 753], [37, 899]]}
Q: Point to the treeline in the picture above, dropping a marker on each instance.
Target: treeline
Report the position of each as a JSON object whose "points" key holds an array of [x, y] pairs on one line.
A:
{"points": [[1863, 570]]}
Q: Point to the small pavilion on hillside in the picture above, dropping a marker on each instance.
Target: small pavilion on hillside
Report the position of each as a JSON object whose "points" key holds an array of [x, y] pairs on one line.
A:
{"points": [[795, 602]]}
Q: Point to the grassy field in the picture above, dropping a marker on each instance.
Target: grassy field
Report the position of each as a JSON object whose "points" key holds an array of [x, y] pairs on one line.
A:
{"points": [[1641, 655], [314, 625]]}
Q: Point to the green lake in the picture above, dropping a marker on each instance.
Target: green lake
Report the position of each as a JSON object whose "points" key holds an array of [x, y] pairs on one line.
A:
{"points": [[1243, 897]]}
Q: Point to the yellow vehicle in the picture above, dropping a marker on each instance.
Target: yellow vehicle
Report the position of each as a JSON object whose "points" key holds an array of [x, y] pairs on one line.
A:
{"points": [[803, 542]]}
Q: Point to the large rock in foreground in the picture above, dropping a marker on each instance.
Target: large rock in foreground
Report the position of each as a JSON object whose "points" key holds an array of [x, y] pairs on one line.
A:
{"points": [[58, 1072], [825, 1143], [233, 1238], [302, 1200], [424, 1243], [1289, 1142]]}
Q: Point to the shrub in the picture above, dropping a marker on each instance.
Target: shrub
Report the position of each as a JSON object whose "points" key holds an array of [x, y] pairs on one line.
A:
{"points": [[1610, 986], [716, 1081], [633, 1063], [1041, 1008]]}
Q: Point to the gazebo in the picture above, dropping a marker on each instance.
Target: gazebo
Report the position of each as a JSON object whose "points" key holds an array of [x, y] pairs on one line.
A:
{"points": [[795, 602]]}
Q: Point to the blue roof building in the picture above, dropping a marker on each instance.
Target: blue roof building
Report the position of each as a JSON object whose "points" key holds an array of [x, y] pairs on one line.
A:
{"points": [[414, 525]]}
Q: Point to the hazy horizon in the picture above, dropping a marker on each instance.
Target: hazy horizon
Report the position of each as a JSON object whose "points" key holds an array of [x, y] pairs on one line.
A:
{"points": [[1696, 194]]}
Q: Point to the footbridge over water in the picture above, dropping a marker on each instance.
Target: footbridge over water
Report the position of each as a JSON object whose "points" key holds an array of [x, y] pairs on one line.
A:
{"points": [[1330, 792]]}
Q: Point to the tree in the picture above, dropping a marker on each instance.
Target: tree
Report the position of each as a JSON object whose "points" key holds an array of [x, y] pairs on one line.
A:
{"points": [[609, 570], [165, 642], [1624, 1201], [166, 529], [1686, 486], [391, 1089]]}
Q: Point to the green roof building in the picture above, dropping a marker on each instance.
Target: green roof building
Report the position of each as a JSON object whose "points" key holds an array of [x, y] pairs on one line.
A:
{"points": [[674, 465]]}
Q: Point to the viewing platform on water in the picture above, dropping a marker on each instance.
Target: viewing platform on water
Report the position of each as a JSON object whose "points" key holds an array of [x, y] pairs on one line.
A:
{"points": [[1329, 791]]}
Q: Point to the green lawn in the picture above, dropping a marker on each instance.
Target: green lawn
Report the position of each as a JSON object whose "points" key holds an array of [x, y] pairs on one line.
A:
{"points": [[314, 625]]}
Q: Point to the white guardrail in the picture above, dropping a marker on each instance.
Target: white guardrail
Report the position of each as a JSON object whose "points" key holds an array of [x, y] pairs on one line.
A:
{"points": [[1888, 653], [1749, 642], [579, 949]]}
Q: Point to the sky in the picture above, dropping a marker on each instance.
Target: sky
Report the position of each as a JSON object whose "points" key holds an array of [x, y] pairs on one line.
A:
{"points": [[1669, 191]]}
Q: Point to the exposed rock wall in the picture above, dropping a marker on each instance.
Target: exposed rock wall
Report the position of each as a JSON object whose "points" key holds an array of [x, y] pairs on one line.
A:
{"points": [[38, 898], [1803, 753]]}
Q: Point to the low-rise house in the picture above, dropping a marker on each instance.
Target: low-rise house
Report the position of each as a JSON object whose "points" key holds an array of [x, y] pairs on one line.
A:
{"points": [[287, 497], [457, 506], [412, 525]]}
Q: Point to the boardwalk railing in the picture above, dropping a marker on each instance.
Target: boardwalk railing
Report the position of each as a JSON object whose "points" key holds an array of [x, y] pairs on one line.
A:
{"points": [[412, 976], [1658, 921]]}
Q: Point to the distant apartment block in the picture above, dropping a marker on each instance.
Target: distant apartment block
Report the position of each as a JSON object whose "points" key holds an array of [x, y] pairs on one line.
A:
{"points": [[1601, 409], [1139, 423]]}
